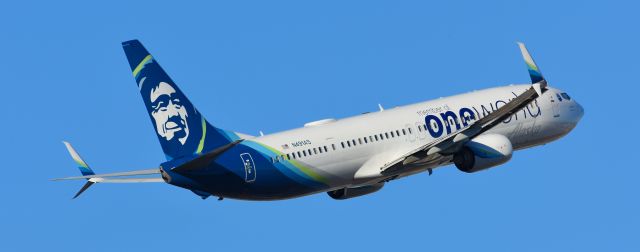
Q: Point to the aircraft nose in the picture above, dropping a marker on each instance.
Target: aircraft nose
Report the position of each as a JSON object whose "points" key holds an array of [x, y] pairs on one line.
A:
{"points": [[580, 112], [577, 112]]}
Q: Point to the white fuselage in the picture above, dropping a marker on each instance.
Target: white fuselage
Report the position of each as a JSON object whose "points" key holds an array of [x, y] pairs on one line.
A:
{"points": [[373, 139]]}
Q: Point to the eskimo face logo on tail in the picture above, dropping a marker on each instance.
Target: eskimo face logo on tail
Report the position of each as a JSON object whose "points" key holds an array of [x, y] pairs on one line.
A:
{"points": [[169, 113]]}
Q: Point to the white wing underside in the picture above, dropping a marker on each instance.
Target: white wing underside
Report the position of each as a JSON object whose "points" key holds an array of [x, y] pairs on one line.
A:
{"points": [[127, 180], [108, 177]]}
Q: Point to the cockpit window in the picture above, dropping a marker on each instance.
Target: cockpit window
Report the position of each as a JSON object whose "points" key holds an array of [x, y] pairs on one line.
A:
{"points": [[559, 98], [566, 96]]}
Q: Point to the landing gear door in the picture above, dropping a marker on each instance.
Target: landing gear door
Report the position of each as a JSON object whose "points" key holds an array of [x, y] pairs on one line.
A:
{"points": [[249, 167]]}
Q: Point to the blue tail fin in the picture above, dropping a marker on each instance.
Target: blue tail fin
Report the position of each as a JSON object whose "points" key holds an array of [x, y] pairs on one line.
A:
{"points": [[181, 129]]}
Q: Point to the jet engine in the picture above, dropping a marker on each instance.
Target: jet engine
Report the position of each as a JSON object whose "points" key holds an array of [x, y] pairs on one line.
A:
{"points": [[352, 192], [483, 152]]}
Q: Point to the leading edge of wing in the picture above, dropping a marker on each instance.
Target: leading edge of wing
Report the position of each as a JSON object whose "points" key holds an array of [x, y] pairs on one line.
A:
{"points": [[126, 180]]}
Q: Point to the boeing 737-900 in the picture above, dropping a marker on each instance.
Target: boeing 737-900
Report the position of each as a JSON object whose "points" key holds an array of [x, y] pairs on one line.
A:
{"points": [[348, 157]]}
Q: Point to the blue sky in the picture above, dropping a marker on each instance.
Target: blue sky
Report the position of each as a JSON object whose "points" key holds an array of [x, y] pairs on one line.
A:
{"points": [[273, 65]]}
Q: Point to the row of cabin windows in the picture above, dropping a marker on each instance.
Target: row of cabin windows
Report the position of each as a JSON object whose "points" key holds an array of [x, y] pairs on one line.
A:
{"points": [[303, 153], [375, 138], [350, 143]]}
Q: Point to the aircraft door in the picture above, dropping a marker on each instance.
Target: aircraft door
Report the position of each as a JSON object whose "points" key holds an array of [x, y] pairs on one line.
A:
{"points": [[421, 134], [555, 105], [410, 137]]}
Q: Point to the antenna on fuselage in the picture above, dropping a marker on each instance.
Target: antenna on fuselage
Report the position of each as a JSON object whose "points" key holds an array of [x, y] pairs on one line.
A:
{"points": [[261, 134], [380, 107]]}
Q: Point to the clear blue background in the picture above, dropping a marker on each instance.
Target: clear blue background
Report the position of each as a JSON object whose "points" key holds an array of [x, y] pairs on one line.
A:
{"points": [[274, 65]]}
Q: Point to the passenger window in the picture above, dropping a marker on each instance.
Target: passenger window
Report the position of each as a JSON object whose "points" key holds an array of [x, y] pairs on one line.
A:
{"points": [[392, 134], [359, 140], [342, 144], [293, 154], [404, 133], [365, 140], [386, 135], [315, 151], [304, 152], [420, 128], [409, 129], [376, 137], [299, 155], [348, 144], [320, 149], [333, 146], [353, 141], [397, 133], [288, 157]]}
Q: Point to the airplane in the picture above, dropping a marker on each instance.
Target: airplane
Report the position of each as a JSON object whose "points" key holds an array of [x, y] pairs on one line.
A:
{"points": [[347, 157]]}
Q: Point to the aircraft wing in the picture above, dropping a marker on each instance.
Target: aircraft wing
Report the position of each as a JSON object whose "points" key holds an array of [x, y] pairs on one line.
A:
{"points": [[117, 174], [118, 177], [452, 143], [126, 180]]}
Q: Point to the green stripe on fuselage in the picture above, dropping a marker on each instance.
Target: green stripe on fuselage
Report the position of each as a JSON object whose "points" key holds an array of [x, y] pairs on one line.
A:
{"points": [[305, 170]]}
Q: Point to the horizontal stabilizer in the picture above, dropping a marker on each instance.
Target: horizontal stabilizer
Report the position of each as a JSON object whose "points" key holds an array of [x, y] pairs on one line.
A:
{"points": [[203, 160]]}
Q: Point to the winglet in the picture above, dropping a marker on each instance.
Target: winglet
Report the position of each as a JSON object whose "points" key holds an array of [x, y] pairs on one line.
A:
{"points": [[82, 165], [84, 188], [84, 168], [534, 71]]}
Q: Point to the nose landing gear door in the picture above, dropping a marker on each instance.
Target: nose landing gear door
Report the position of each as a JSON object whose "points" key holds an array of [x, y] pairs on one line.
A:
{"points": [[249, 167]]}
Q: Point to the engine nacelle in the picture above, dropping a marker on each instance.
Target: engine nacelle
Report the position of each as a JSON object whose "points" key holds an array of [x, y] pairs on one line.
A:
{"points": [[483, 152], [347, 193]]}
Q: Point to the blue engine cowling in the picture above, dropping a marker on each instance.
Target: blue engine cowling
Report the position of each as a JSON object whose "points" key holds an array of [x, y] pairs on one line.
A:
{"points": [[483, 152]]}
